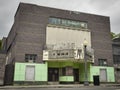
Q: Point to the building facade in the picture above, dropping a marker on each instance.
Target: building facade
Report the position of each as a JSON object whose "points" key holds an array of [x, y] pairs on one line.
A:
{"points": [[2, 67], [116, 58], [46, 45]]}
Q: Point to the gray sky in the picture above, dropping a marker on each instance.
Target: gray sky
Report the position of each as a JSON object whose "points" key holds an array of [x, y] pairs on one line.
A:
{"points": [[101, 7]]}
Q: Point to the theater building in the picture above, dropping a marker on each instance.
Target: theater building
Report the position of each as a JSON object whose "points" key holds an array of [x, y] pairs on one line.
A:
{"points": [[46, 46]]}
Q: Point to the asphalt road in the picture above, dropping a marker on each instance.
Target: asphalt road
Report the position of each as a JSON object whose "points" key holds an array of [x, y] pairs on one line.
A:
{"points": [[81, 88]]}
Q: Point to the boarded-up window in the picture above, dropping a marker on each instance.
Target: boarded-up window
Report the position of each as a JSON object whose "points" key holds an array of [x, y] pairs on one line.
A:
{"points": [[103, 75], [30, 73]]}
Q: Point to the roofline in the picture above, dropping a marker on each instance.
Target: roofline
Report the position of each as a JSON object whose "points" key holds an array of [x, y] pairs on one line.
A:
{"points": [[74, 11]]}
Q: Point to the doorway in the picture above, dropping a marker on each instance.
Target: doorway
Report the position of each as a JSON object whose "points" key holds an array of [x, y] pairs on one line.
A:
{"points": [[53, 74], [76, 75], [9, 74], [30, 73], [103, 75]]}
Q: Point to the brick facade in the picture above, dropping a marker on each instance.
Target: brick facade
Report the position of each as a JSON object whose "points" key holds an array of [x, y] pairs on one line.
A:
{"points": [[28, 34]]}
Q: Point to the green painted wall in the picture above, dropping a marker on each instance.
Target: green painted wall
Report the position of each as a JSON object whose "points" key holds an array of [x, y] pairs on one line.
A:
{"points": [[59, 64], [95, 70], [40, 71], [66, 79]]}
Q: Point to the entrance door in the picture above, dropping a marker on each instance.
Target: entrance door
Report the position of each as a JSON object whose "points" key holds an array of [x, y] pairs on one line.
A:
{"points": [[103, 75], [9, 74], [76, 75], [30, 73], [53, 74]]}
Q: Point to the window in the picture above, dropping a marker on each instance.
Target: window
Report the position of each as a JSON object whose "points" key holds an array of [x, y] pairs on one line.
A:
{"points": [[116, 59], [62, 53], [58, 54], [102, 62], [118, 70], [68, 23], [53, 54], [67, 71], [30, 57], [66, 53]]}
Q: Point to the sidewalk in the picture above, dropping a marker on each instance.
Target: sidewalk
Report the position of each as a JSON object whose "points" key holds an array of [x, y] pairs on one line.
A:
{"points": [[58, 86]]}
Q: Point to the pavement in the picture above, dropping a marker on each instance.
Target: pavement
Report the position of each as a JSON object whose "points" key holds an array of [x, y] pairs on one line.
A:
{"points": [[58, 86]]}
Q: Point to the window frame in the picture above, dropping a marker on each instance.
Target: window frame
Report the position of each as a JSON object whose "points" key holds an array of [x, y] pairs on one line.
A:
{"points": [[101, 62], [30, 57]]}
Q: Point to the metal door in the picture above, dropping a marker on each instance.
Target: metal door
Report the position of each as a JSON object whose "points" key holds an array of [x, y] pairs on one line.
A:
{"points": [[30, 73], [9, 74], [103, 75], [76, 75], [53, 74]]}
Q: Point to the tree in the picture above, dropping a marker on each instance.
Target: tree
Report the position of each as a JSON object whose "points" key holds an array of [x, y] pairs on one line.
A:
{"points": [[118, 35], [114, 35]]}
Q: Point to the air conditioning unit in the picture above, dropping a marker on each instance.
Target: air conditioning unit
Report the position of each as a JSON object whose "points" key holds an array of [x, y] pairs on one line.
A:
{"points": [[30, 61]]}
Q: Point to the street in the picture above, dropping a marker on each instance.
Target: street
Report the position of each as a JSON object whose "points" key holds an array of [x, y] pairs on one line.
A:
{"points": [[81, 88]]}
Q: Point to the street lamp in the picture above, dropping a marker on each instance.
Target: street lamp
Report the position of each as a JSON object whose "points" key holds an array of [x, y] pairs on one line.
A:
{"points": [[86, 83]]}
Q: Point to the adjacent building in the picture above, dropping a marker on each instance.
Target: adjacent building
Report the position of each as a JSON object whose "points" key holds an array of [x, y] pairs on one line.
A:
{"points": [[45, 45], [116, 58], [2, 62], [2, 67]]}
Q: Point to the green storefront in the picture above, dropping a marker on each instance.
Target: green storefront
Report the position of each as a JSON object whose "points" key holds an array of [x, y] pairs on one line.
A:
{"points": [[68, 71], [30, 73], [106, 74], [60, 72]]}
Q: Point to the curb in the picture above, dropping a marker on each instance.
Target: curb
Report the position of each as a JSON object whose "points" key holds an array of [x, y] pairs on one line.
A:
{"points": [[44, 86], [57, 86]]}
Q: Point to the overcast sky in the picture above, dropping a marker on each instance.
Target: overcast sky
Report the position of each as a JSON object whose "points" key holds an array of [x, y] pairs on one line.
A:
{"points": [[109, 8]]}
